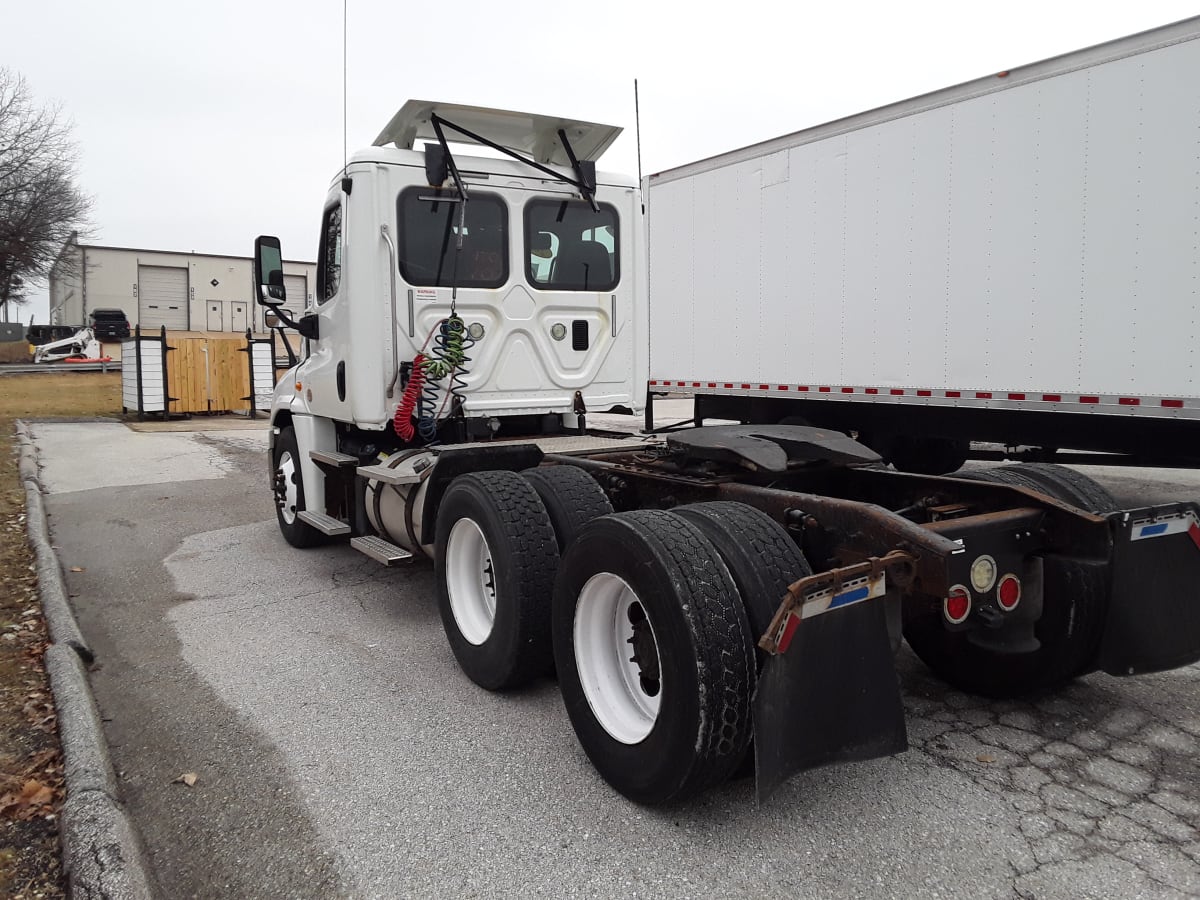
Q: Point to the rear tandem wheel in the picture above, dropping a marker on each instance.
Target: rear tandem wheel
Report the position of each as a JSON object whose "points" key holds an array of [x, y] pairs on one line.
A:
{"points": [[495, 559], [1074, 605], [654, 655]]}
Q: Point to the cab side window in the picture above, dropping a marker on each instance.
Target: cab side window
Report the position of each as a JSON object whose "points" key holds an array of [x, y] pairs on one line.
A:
{"points": [[329, 254]]}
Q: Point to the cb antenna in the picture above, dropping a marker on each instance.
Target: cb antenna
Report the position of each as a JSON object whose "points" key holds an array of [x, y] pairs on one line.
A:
{"points": [[637, 123]]}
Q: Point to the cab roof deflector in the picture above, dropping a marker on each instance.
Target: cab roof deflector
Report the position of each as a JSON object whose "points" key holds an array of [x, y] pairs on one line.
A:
{"points": [[526, 133]]}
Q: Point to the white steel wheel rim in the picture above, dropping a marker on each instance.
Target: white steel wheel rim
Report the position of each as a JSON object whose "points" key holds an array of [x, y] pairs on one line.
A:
{"points": [[291, 494], [611, 679], [471, 581]]}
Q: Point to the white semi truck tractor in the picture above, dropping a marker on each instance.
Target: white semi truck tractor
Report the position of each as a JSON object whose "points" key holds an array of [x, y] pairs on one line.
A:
{"points": [[712, 600]]}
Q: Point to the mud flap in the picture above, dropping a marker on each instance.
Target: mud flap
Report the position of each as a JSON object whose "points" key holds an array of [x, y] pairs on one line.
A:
{"points": [[1153, 620], [834, 696]]}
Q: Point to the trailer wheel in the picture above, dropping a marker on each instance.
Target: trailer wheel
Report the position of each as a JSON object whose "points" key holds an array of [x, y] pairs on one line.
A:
{"points": [[495, 559], [288, 489], [654, 655], [572, 498], [1066, 485]]}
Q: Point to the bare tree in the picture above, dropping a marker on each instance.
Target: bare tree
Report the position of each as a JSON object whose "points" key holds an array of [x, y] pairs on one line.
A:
{"points": [[40, 205]]}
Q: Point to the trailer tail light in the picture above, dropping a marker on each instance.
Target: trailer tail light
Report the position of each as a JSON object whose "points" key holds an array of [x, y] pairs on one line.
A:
{"points": [[1008, 595], [957, 605]]}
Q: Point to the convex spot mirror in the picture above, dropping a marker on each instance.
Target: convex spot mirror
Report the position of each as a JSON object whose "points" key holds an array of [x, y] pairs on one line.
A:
{"points": [[268, 271]]}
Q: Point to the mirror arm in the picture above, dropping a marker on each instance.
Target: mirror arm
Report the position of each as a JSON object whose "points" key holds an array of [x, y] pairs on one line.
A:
{"points": [[293, 360]]}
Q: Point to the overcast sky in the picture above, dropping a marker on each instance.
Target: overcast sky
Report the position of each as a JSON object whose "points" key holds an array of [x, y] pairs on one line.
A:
{"points": [[203, 124]]}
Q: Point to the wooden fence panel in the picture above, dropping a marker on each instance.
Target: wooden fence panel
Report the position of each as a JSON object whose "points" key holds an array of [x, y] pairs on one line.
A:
{"points": [[207, 375], [230, 374]]}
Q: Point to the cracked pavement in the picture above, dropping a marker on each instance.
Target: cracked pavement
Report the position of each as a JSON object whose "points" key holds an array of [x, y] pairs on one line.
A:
{"points": [[340, 752]]}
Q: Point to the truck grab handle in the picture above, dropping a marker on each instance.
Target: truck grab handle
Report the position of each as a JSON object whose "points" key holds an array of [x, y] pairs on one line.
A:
{"points": [[387, 237]]}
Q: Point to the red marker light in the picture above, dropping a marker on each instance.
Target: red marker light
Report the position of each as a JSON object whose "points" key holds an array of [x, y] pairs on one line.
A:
{"points": [[1008, 594], [957, 605]]}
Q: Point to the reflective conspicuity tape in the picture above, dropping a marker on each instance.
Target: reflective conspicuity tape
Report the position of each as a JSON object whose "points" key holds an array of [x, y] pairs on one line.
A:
{"points": [[823, 601], [1162, 526], [1114, 404]]}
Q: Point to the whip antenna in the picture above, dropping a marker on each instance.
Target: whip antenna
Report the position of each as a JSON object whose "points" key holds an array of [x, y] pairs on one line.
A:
{"points": [[345, 131], [637, 123]]}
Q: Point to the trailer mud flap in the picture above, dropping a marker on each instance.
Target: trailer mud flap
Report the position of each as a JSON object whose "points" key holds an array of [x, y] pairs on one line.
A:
{"points": [[832, 697], [1153, 620]]}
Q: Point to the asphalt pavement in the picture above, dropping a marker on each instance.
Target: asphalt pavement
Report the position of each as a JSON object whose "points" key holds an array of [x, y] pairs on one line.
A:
{"points": [[338, 750]]}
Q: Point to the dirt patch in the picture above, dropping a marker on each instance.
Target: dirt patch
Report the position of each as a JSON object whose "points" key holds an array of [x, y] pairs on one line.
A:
{"points": [[31, 781], [15, 352]]}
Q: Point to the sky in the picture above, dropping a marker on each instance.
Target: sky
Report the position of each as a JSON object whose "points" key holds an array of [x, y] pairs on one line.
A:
{"points": [[203, 124]]}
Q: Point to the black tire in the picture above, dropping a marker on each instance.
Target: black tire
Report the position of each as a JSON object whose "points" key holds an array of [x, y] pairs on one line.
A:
{"points": [[1069, 632], [293, 530], [1074, 607], [519, 555], [572, 498], [1066, 485], [762, 557], [701, 643], [763, 560]]}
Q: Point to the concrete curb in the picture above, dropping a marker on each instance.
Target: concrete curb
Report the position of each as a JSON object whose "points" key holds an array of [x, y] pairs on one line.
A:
{"points": [[27, 465], [59, 618], [87, 767], [102, 851]]}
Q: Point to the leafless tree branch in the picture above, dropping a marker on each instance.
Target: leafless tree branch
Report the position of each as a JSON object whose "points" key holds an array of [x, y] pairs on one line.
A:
{"points": [[41, 206]]}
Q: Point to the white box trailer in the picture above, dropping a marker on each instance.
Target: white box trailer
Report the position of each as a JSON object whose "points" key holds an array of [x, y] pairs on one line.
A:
{"points": [[1013, 259]]}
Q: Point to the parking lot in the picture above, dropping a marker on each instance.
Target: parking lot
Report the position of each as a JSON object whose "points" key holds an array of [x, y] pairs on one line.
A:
{"points": [[340, 752]]}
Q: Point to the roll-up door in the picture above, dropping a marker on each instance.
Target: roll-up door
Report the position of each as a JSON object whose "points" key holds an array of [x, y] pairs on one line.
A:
{"points": [[296, 287], [162, 297]]}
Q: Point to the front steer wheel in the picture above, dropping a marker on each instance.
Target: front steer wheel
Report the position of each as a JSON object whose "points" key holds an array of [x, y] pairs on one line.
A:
{"points": [[654, 654], [495, 557], [288, 489]]}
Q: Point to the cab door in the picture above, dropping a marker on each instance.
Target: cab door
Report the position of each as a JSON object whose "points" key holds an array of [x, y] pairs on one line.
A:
{"points": [[325, 380]]}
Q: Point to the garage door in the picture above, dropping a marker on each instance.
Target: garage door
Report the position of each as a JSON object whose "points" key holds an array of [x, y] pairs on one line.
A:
{"points": [[296, 287], [162, 297]]}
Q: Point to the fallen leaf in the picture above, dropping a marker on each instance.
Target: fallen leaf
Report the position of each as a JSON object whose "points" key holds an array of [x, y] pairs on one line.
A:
{"points": [[35, 793], [986, 758], [188, 778], [76, 568]]}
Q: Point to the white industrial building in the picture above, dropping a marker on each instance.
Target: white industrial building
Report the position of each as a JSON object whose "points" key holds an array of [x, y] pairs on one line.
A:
{"points": [[183, 291]]}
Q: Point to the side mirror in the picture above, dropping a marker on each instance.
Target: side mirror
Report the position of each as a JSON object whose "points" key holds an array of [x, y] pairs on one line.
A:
{"points": [[271, 320], [268, 271]]}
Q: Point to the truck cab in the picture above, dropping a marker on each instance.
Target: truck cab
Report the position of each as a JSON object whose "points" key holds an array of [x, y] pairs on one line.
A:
{"points": [[533, 257]]}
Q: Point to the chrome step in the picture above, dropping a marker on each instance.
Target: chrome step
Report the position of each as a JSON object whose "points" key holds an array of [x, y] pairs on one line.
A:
{"points": [[333, 458], [380, 550], [401, 474], [323, 523]]}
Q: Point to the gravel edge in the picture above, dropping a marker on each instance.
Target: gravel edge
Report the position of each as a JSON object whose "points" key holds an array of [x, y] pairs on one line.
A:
{"points": [[102, 851]]}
